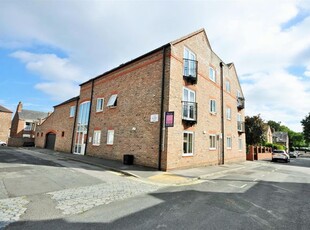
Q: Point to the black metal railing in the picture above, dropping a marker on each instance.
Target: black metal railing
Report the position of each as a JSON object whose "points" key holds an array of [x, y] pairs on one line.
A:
{"points": [[189, 112], [240, 102], [241, 126], [190, 70]]}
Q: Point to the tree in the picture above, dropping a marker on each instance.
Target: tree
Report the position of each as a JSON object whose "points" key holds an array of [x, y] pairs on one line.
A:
{"points": [[255, 130], [306, 128], [275, 126]]}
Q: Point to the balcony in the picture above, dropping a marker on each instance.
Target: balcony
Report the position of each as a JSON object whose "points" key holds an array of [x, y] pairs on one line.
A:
{"points": [[240, 103], [241, 126], [190, 70], [189, 112]]}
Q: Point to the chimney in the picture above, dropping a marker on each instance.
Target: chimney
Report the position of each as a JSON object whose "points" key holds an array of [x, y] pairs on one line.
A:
{"points": [[19, 107]]}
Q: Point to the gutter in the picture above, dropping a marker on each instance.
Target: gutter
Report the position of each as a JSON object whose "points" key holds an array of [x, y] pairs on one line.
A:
{"points": [[90, 107], [162, 117], [222, 114]]}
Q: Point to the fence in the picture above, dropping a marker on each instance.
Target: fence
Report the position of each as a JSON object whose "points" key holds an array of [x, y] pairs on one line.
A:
{"points": [[258, 153]]}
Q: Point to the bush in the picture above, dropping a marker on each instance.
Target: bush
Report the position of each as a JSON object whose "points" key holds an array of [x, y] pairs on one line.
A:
{"points": [[275, 146]]}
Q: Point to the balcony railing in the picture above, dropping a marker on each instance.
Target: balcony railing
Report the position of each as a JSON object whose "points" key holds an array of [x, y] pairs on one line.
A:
{"points": [[190, 70], [240, 103], [189, 112], [241, 126]]}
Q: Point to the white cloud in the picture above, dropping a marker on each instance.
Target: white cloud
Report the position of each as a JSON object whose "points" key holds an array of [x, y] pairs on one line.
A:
{"points": [[104, 34]]}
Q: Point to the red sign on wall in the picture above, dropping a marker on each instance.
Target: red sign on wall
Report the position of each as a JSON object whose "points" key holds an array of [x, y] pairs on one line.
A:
{"points": [[169, 119]]}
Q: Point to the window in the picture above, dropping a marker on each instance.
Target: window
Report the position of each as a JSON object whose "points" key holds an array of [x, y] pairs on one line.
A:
{"points": [[27, 135], [189, 104], [189, 63], [212, 74], [212, 139], [229, 143], [100, 102], [112, 101], [110, 137], [228, 86], [38, 134], [63, 133], [96, 138], [212, 106], [240, 143], [28, 126], [228, 113], [188, 142], [72, 111], [41, 134], [238, 94]]}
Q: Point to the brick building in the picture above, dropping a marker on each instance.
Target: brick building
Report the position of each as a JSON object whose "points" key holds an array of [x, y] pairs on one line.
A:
{"points": [[24, 125], [5, 123], [177, 106]]}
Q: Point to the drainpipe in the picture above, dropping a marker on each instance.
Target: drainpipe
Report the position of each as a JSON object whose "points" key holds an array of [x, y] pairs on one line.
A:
{"points": [[222, 113], [90, 106], [162, 117], [74, 123]]}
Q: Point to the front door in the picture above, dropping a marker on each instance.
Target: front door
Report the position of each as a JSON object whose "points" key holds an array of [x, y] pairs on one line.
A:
{"points": [[50, 141]]}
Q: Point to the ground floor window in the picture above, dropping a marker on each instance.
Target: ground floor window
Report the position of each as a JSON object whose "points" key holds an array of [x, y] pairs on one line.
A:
{"points": [[188, 142], [96, 138], [229, 143], [212, 139], [110, 137], [240, 143]]}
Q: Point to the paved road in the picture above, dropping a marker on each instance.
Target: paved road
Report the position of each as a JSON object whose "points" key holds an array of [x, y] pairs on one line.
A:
{"points": [[39, 187], [263, 195]]}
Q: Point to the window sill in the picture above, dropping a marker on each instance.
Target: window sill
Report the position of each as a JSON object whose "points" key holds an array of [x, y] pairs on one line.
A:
{"points": [[96, 145], [187, 154], [212, 149], [213, 113], [99, 111]]}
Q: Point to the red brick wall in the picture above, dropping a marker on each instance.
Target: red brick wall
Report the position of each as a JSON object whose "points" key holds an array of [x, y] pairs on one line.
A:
{"points": [[5, 124], [59, 122]]}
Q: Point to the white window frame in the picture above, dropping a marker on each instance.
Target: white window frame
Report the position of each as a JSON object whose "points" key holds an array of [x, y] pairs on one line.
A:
{"points": [[239, 94], [28, 127], [212, 74], [228, 113], [72, 111], [96, 137], [189, 55], [228, 89], [240, 144], [228, 142], [212, 141], [112, 101], [187, 141], [110, 137], [100, 104], [187, 93], [212, 105]]}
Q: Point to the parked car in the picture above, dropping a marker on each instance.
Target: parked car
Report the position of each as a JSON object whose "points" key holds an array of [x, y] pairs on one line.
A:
{"points": [[2, 143], [293, 154], [280, 155]]}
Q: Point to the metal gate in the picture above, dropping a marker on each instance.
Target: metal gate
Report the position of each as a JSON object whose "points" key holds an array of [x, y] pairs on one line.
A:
{"points": [[50, 141]]}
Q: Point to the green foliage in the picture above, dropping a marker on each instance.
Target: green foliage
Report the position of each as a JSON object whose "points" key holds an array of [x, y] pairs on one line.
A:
{"points": [[255, 130], [275, 146], [306, 128], [275, 126]]}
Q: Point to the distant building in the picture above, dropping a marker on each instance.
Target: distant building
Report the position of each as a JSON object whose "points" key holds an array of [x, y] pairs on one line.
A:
{"points": [[177, 106], [268, 134], [281, 138], [24, 124], [5, 123]]}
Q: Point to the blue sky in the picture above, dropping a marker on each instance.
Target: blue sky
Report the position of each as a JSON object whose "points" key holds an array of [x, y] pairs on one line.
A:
{"points": [[47, 48]]}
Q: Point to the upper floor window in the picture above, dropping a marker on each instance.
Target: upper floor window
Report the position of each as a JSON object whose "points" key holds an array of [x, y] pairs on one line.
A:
{"points": [[28, 126], [72, 111], [228, 86], [228, 113], [189, 104], [238, 94], [190, 64], [112, 101], [100, 103], [212, 106], [212, 74]]}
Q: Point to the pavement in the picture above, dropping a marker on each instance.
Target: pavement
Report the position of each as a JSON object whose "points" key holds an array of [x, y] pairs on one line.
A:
{"points": [[150, 175]]}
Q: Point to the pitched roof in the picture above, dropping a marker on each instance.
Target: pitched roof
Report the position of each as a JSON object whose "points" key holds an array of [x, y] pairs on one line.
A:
{"points": [[5, 110], [31, 115], [280, 136], [67, 101]]}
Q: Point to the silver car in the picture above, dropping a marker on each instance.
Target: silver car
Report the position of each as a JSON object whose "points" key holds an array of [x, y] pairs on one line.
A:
{"points": [[280, 155]]}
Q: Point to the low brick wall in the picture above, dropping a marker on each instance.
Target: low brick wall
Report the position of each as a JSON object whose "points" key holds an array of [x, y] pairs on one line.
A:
{"points": [[258, 153], [20, 141]]}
